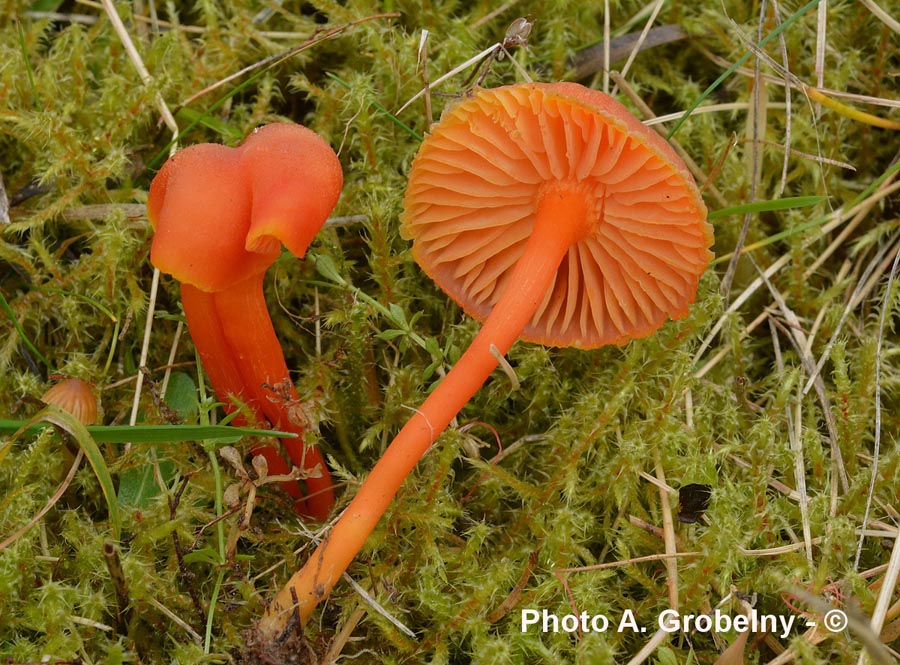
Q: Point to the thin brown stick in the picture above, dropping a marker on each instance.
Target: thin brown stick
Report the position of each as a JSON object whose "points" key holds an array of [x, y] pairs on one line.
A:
{"points": [[50, 503], [757, 129], [510, 601], [669, 540], [117, 575], [640, 41], [316, 38], [336, 647], [138, 63], [490, 16], [628, 562]]}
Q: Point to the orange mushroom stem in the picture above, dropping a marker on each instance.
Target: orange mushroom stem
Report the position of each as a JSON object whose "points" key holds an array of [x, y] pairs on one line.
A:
{"points": [[220, 217], [553, 215]]}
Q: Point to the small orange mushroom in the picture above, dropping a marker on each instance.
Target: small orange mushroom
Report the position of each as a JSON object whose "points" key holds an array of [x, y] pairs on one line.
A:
{"points": [[552, 214], [220, 216], [75, 396]]}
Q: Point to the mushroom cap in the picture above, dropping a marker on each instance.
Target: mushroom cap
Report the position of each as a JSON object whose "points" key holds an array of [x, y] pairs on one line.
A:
{"points": [[75, 396], [474, 189], [221, 214]]}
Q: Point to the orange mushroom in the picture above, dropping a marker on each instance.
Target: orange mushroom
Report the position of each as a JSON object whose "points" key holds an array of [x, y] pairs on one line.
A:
{"points": [[220, 216], [74, 396], [551, 214]]}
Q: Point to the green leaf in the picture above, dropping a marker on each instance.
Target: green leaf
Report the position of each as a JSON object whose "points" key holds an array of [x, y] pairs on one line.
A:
{"points": [[46, 5], [325, 267], [665, 656], [138, 486], [397, 314], [387, 335], [204, 555], [430, 370], [181, 395], [433, 347]]}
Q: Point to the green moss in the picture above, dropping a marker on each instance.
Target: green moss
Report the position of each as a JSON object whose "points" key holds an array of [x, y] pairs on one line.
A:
{"points": [[470, 541]]}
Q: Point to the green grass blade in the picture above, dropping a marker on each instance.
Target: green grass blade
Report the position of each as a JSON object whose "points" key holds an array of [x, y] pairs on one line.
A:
{"points": [[819, 221], [768, 206], [28, 69], [378, 107], [744, 58], [223, 129], [53, 415], [87, 299], [217, 587], [12, 317], [152, 433], [200, 118]]}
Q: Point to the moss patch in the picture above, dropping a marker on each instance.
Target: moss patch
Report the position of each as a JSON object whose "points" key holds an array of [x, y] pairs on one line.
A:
{"points": [[480, 531]]}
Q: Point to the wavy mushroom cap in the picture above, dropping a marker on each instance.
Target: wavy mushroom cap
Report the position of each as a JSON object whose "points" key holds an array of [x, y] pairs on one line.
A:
{"points": [[474, 189], [221, 214], [296, 180]]}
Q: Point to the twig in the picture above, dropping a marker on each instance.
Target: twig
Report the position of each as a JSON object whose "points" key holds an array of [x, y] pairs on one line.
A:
{"points": [[117, 575], [490, 16], [601, 57], [510, 601], [882, 15], [659, 638], [857, 214], [716, 359], [821, 31], [777, 551], [738, 302], [709, 108], [378, 607], [340, 640], [799, 341], [422, 60], [316, 38], [135, 58], [606, 47], [855, 299], [177, 620], [4, 203], [794, 421], [888, 585], [639, 43], [756, 131], [796, 83], [453, 72], [803, 155], [628, 562], [668, 533], [787, 103], [169, 119]]}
